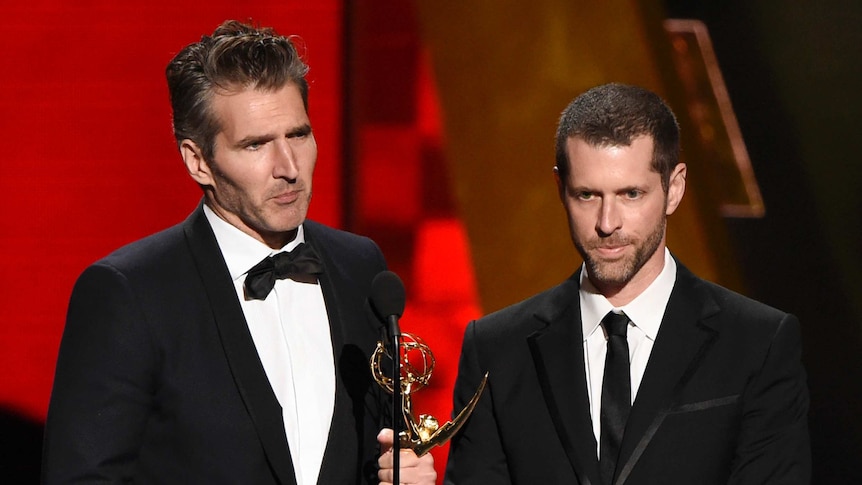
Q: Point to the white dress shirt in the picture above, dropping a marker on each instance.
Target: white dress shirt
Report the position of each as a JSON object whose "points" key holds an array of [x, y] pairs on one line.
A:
{"points": [[645, 313], [290, 330]]}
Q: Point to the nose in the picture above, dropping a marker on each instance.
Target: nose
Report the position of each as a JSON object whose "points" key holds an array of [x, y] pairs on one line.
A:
{"points": [[609, 219], [285, 163]]}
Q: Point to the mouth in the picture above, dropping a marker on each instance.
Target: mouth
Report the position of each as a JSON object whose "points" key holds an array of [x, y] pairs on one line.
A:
{"points": [[287, 197], [610, 251]]}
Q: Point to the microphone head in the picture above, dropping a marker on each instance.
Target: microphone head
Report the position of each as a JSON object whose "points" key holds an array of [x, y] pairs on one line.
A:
{"points": [[387, 294]]}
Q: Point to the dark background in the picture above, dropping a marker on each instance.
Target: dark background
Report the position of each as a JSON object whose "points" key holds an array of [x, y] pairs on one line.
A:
{"points": [[792, 69]]}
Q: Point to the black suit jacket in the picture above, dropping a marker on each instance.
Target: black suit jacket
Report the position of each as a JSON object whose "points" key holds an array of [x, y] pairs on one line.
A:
{"points": [[723, 398], [158, 379]]}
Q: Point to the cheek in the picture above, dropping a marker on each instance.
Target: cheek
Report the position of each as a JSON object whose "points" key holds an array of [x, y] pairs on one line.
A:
{"points": [[311, 156], [580, 216], [581, 226], [312, 162], [245, 190], [645, 221], [309, 171]]}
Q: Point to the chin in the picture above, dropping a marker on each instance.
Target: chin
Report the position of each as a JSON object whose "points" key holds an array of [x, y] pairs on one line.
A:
{"points": [[284, 228], [614, 274], [287, 221]]}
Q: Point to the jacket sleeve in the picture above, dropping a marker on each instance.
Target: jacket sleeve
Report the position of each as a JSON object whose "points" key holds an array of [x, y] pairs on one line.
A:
{"points": [[103, 385], [476, 453], [773, 444]]}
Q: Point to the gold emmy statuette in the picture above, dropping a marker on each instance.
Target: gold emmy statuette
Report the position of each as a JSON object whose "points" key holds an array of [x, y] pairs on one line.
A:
{"points": [[417, 364]]}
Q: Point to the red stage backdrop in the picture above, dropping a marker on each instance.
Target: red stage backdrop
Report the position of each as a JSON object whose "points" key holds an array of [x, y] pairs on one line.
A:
{"points": [[89, 164]]}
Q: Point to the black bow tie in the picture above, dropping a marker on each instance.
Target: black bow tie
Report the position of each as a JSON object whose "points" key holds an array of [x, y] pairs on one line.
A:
{"points": [[301, 264]]}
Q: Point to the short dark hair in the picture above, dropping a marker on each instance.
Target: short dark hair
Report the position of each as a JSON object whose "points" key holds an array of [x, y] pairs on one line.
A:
{"points": [[235, 56], [615, 114]]}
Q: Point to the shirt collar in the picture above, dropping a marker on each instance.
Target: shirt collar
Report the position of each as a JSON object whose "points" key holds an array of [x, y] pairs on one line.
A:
{"points": [[241, 251], [645, 311]]}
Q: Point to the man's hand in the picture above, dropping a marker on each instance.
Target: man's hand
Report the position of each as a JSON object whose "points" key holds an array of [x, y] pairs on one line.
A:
{"points": [[414, 470]]}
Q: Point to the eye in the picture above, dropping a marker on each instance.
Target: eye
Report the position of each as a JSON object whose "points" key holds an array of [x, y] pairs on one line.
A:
{"points": [[582, 195], [634, 194], [253, 144], [301, 132]]}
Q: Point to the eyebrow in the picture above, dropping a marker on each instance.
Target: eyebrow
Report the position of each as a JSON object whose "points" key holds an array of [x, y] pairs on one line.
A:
{"points": [[254, 140], [621, 190], [303, 129]]}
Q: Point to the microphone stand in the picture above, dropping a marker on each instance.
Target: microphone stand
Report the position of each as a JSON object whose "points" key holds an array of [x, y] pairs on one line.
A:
{"points": [[395, 337]]}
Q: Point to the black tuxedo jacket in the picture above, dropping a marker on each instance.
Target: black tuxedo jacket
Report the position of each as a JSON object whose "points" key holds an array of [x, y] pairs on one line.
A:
{"points": [[723, 398], [158, 379]]}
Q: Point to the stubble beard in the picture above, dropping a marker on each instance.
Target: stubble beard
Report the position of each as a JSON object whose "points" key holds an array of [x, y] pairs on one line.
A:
{"points": [[255, 215], [616, 274]]}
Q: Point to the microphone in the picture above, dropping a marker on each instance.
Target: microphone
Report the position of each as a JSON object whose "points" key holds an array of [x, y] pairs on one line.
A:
{"points": [[388, 299]]}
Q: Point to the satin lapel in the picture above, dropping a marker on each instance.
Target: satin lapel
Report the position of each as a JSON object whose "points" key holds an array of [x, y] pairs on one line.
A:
{"points": [[242, 357], [337, 444], [343, 434], [558, 354], [682, 342]]}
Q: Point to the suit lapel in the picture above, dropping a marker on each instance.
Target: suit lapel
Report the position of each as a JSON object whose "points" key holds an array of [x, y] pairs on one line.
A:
{"points": [[248, 372], [680, 346], [337, 444], [558, 355], [347, 434]]}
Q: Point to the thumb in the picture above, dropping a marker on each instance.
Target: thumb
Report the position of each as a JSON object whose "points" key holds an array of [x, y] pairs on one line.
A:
{"points": [[384, 437]]}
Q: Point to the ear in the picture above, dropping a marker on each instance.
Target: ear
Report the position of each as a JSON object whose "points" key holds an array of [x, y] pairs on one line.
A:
{"points": [[196, 164], [676, 188], [561, 185]]}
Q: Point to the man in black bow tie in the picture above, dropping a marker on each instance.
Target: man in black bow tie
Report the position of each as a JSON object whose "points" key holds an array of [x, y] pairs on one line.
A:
{"points": [[233, 347]]}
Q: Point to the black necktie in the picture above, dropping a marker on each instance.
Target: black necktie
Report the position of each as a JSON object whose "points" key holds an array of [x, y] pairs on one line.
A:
{"points": [[301, 262], [616, 394]]}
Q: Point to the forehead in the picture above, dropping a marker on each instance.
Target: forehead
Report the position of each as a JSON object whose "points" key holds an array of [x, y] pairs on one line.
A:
{"points": [[251, 110], [626, 164]]}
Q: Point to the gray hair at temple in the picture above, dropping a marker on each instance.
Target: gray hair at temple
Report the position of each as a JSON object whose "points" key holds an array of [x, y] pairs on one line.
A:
{"points": [[236, 56], [614, 115]]}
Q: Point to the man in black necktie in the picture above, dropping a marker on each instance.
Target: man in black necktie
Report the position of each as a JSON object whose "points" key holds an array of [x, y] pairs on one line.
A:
{"points": [[233, 347], [633, 371]]}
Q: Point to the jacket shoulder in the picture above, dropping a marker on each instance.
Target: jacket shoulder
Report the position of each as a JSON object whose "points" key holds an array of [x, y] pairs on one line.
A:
{"points": [[725, 309], [727, 299], [145, 254], [525, 317], [331, 237], [341, 245]]}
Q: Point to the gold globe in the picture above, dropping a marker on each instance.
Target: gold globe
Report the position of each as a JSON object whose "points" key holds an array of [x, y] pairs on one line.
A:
{"points": [[417, 364]]}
